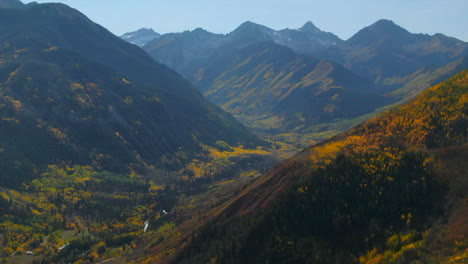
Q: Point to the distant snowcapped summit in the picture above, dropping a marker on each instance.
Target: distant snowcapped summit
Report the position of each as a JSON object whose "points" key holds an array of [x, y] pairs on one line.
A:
{"points": [[140, 37]]}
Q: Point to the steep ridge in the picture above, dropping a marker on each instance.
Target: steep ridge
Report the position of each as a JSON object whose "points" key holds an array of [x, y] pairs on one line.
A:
{"points": [[65, 27], [58, 104], [271, 88], [374, 189]]}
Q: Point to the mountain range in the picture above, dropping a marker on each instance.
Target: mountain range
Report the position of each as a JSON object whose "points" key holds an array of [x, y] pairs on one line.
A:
{"points": [[390, 51], [274, 88], [187, 50]]}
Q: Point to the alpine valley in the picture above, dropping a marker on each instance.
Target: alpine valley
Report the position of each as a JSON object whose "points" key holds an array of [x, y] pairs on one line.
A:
{"points": [[256, 146]]}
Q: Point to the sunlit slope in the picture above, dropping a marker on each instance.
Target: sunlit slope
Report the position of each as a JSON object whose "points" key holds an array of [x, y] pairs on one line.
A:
{"points": [[271, 88], [386, 180]]}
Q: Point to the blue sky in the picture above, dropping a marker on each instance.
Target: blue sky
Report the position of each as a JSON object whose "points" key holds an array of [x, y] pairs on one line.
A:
{"points": [[342, 17]]}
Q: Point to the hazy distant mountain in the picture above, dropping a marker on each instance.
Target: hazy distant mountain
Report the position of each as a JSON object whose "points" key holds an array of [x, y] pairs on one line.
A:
{"points": [[186, 52], [308, 37], [270, 87], [141, 36], [307, 40], [390, 56], [70, 91]]}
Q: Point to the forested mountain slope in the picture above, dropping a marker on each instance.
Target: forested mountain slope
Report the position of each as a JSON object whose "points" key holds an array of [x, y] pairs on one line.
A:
{"points": [[70, 91], [96, 138], [389, 191]]}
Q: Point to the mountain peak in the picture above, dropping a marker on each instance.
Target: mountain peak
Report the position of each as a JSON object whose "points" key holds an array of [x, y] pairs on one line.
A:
{"points": [[309, 26], [388, 28], [249, 26], [11, 4], [385, 24], [381, 30], [249, 23]]}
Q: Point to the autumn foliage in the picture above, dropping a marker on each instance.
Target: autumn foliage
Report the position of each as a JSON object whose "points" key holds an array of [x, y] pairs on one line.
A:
{"points": [[374, 189]]}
